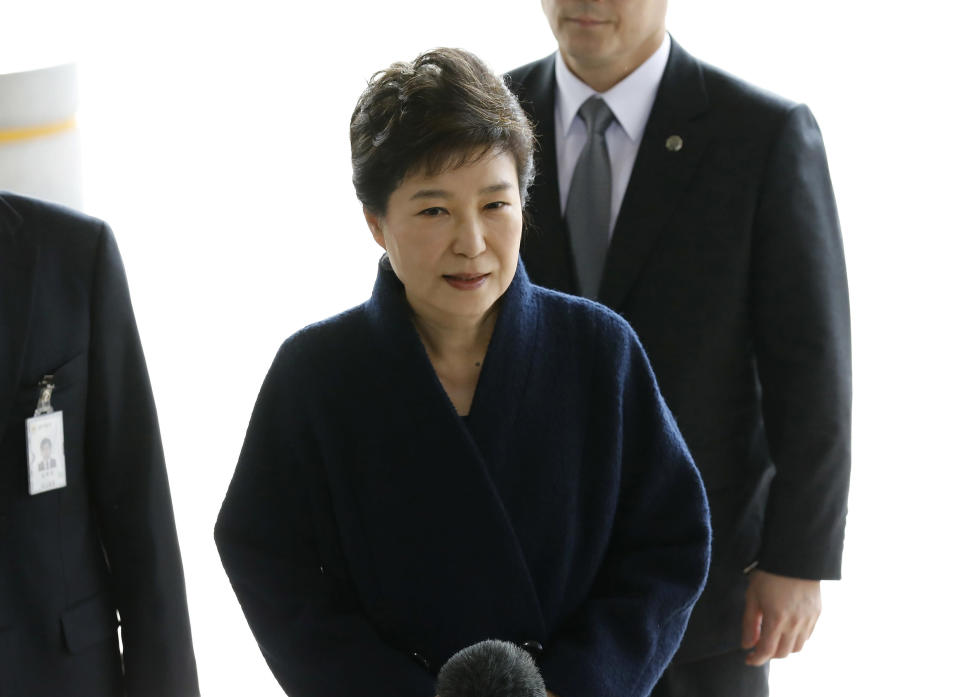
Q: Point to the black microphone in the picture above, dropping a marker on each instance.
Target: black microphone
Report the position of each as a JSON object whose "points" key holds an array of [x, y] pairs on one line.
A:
{"points": [[491, 668]]}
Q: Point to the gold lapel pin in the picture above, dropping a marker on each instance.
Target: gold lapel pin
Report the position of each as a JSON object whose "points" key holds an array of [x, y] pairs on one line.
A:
{"points": [[674, 143]]}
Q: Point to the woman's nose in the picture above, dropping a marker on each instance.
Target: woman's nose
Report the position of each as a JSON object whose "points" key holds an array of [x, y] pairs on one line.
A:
{"points": [[470, 240]]}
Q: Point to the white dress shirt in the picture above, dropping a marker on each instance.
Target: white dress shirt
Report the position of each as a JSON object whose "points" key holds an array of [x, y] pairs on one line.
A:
{"points": [[630, 100]]}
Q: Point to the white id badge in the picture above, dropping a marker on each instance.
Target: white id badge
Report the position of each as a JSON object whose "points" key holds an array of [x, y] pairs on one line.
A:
{"points": [[46, 463]]}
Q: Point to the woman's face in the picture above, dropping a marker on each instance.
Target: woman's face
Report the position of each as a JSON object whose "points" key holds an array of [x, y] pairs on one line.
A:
{"points": [[453, 238]]}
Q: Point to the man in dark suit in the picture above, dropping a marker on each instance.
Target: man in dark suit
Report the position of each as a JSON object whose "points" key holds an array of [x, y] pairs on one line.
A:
{"points": [[72, 557], [701, 209]]}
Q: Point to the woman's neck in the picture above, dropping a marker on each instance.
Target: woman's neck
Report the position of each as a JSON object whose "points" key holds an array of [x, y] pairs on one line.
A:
{"points": [[450, 339], [456, 347]]}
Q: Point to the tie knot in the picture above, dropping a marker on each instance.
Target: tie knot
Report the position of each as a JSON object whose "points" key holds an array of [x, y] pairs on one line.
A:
{"points": [[596, 114]]}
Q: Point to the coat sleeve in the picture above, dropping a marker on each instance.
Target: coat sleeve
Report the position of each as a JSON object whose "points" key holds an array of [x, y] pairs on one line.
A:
{"points": [[277, 538], [801, 327], [132, 497], [620, 641]]}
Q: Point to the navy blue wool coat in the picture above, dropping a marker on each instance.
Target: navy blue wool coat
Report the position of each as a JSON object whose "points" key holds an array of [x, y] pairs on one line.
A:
{"points": [[370, 533]]}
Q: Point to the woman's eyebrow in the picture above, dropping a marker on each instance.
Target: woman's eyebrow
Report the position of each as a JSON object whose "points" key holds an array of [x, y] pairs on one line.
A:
{"points": [[431, 193], [499, 186], [443, 193]]}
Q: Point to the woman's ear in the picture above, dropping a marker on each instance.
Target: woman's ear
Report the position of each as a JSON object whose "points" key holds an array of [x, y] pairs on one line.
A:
{"points": [[374, 223]]}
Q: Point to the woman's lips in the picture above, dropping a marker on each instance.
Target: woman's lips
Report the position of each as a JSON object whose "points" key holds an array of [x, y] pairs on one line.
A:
{"points": [[466, 281]]}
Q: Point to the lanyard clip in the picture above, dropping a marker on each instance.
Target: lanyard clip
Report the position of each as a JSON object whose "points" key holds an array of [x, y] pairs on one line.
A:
{"points": [[46, 394]]}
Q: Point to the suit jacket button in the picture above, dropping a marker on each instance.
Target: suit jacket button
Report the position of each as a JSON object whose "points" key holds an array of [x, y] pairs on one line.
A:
{"points": [[674, 143], [534, 648]]}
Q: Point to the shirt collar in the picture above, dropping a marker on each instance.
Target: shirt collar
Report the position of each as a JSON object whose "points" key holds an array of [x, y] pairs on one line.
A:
{"points": [[630, 100]]}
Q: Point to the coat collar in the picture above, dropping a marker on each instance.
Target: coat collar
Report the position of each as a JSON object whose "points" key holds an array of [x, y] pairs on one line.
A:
{"points": [[659, 177], [18, 255], [453, 466], [505, 367]]}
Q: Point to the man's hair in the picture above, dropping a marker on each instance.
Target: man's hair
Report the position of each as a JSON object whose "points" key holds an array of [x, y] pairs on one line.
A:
{"points": [[46, 442], [443, 110]]}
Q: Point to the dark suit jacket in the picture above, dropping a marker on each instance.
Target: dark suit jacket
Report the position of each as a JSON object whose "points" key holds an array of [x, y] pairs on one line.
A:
{"points": [[72, 558], [370, 533], [726, 258]]}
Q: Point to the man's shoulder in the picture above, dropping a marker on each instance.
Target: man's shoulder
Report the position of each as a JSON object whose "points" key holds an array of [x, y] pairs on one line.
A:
{"points": [[731, 91], [31, 212], [726, 93], [53, 224]]}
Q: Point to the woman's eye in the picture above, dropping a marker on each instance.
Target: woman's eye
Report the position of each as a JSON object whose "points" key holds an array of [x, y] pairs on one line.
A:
{"points": [[432, 212], [494, 205]]}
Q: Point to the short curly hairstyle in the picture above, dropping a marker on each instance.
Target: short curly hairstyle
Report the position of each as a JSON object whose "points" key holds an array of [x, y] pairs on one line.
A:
{"points": [[443, 110]]}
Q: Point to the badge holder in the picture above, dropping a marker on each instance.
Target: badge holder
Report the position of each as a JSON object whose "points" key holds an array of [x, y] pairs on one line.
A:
{"points": [[46, 462]]}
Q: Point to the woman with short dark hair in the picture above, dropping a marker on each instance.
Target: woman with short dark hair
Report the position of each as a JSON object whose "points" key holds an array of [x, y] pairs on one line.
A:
{"points": [[466, 455], [438, 112]]}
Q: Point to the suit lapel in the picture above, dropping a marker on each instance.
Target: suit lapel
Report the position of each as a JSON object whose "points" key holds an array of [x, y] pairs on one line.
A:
{"points": [[660, 174], [546, 245], [18, 254]]}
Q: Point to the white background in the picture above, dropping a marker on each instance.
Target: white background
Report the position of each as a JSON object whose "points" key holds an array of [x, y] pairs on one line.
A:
{"points": [[214, 140]]}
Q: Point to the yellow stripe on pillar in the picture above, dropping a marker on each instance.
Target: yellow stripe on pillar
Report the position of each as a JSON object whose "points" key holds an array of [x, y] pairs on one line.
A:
{"points": [[15, 135]]}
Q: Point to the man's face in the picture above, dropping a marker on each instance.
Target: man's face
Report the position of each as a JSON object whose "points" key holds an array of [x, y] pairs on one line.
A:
{"points": [[599, 34]]}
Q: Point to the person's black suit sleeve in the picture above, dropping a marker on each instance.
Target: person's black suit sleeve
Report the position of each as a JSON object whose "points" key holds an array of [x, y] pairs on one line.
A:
{"points": [[131, 494], [802, 333], [278, 541], [623, 636]]}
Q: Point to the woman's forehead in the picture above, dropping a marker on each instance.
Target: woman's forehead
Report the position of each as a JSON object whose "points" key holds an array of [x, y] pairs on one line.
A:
{"points": [[463, 170]]}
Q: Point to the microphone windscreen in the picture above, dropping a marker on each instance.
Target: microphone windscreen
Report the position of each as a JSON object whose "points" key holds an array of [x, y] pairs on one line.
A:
{"points": [[491, 668]]}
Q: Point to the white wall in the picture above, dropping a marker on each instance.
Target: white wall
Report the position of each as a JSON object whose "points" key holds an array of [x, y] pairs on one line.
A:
{"points": [[215, 143]]}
